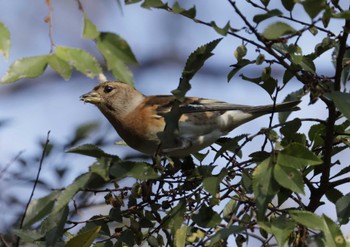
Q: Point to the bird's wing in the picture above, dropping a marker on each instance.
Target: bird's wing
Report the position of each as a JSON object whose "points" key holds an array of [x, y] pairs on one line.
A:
{"points": [[199, 116], [164, 103]]}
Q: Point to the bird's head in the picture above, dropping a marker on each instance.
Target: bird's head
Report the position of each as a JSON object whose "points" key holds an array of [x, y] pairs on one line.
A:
{"points": [[113, 97]]}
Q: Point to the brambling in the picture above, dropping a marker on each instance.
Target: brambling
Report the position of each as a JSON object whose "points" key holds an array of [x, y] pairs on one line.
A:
{"points": [[139, 119]]}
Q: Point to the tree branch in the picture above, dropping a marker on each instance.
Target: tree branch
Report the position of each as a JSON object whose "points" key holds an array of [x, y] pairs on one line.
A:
{"points": [[327, 157], [339, 182], [340, 56], [35, 184]]}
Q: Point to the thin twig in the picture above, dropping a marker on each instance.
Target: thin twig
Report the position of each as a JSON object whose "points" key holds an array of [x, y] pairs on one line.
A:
{"points": [[35, 184], [339, 182], [308, 25], [274, 98], [266, 46], [3, 241], [7, 166], [80, 6], [48, 20]]}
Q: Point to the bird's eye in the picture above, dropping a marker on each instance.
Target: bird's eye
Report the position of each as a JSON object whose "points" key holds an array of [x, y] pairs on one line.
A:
{"points": [[108, 89]]}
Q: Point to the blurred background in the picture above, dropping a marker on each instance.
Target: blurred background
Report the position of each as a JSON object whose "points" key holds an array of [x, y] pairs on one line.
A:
{"points": [[161, 42]]}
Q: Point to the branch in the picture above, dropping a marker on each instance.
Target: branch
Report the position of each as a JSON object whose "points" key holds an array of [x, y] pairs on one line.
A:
{"points": [[266, 46], [308, 25], [3, 241], [340, 182], [48, 20], [35, 184], [330, 132], [340, 56], [327, 157], [7, 166]]}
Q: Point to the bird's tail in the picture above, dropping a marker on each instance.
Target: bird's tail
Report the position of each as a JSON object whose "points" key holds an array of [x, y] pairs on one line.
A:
{"points": [[282, 107]]}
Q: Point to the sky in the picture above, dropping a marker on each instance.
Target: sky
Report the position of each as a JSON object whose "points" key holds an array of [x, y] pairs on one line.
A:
{"points": [[161, 42]]}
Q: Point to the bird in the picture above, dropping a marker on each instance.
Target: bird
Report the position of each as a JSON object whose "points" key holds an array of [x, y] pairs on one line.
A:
{"points": [[139, 119]]}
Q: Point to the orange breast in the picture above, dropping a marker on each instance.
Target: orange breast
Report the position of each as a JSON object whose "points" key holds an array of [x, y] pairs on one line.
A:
{"points": [[140, 127]]}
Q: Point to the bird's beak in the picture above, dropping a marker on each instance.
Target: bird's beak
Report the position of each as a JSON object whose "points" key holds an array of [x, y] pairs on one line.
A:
{"points": [[91, 97]]}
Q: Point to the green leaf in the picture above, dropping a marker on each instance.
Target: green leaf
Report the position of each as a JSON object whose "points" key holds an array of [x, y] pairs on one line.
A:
{"points": [[342, 102], [60, 66], [212, 183], [307, 64], [240, 52], [84, 239], [97, 220], [127, 238], [117, 54], [332, 233], [175, 217], [197, 58], [39, 208], [265, 81], [297, 156], [326, 17], [101, 168], [180, 236], [224, 233], [152, 241], [307, 219], [132, 1], [67, 194], [153, 4], [190, 13], [28, 236], [115, 47], [325, 45], [5, 41], [316, 134], [115, 214], [247, 181], [138, 170], [287, 76], [294, 96], [53, 226], [90, 150], [29, 67], [342, 14], [260, 59], [281, 228], [206, 217], [277, 30], [229, 144], [264, 186], [121, 71], [90, 30], [271, 13], [237, 67], [333, 195], [265, 2], [290, 178], [313, 7], [343, 209], [288, 4], [222, 31], [80, 60], [229, 210], [290, 128]]}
